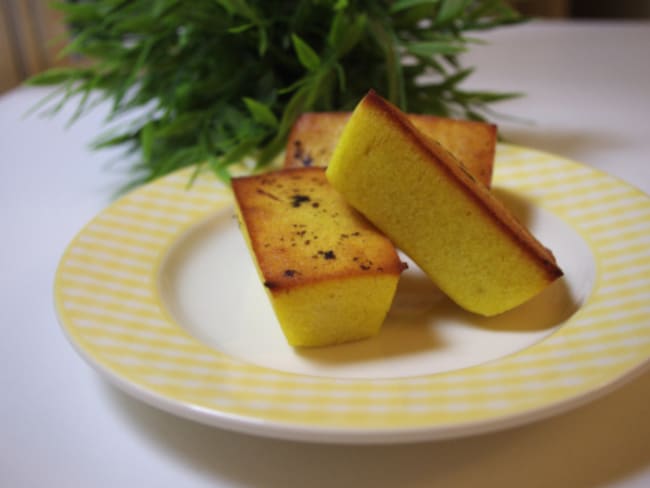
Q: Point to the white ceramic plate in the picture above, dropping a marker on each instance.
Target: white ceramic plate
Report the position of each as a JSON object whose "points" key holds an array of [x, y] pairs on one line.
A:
{"points": [[159, 293]]}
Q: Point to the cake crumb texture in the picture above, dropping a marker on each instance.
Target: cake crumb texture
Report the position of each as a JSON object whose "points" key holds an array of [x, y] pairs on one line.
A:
{"points": [[329, 273], [434, 210]]}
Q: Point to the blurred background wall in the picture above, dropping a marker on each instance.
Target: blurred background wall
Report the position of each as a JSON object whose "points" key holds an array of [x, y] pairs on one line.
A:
{"points": [[585, 9], [31, 33]]}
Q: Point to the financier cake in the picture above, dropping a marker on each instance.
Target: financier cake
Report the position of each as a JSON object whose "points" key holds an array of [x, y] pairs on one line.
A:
{"points": [[434, 210], [314, 136], [330, 275]]}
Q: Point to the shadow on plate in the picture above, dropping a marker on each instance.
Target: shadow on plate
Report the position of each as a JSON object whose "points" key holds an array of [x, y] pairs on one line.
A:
{"points": [[420, 309], [406, 330], [553, 306]]}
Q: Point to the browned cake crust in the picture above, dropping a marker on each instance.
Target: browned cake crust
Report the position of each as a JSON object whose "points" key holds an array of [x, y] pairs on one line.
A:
{"points": [[302, 231], [472, 143], [314, 135], [458, 175], [305, 146]]}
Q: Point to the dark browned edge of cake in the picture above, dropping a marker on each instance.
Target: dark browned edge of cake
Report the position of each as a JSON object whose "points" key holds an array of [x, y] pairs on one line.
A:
{"points": [[522, 236]]}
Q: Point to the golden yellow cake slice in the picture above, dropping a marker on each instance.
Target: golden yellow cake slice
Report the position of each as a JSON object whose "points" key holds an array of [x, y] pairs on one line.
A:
{"points": [[314, 136], [329, 273], [415, 191]]}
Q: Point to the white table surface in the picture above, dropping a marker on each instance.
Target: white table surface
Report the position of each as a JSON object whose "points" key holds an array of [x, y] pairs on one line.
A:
{"points": [[61, 425]]}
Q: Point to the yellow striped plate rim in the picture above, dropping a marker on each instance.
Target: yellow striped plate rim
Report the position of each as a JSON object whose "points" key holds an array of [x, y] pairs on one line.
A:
{"points": [[109, 304]]}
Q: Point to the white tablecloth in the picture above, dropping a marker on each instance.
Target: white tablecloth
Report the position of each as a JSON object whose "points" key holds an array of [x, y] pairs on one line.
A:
{"points": [[61, 425]]}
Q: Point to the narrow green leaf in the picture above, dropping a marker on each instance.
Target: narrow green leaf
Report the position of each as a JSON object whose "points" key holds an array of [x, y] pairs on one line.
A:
{"points": [[186, 123], [301, 101], [345, 33], [293, 86], [146, 141], [239, 7], [163, 7], [341, 5], [82, 106], [38, 106], [56, 76], [240, 28], [261, 113], [306, 55], [492, 13], [227, 5], [434, 48], [241, 150], [337, 30], [385, 38], [263, 43], [340, 75], [105, 142], [220, 170], [182, 157], [135, 71], [455, 79], [450, 10], [485, 97], [498, 18], [438, 107], [474, 115], [195, 174]]}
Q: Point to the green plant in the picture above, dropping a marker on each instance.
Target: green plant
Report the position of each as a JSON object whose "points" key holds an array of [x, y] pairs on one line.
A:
{"points": [[216, 80]]}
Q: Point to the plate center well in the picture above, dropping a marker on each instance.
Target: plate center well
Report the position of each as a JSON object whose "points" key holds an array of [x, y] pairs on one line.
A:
{"points": [[211, 288]]}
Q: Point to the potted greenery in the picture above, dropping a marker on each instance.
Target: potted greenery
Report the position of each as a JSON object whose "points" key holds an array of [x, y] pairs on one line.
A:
{"points": [[217, 80]]}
